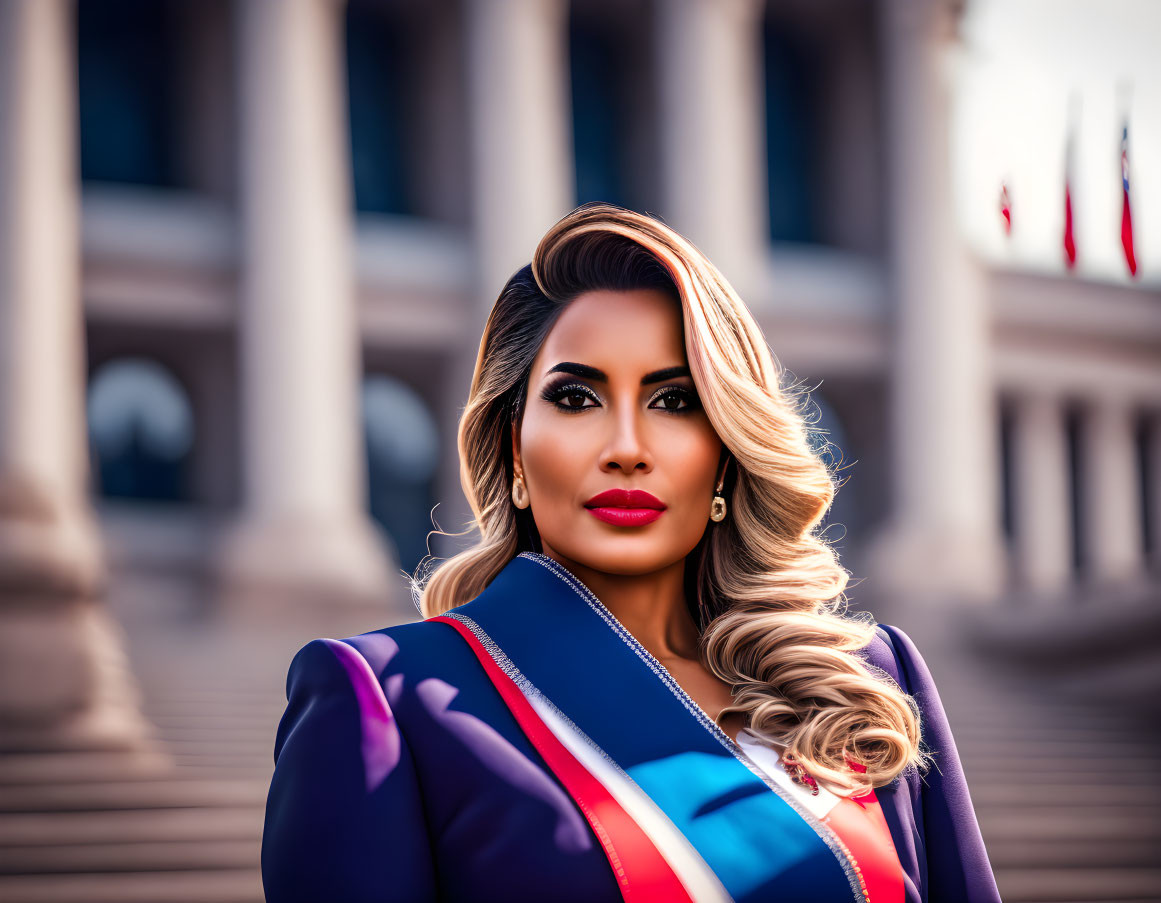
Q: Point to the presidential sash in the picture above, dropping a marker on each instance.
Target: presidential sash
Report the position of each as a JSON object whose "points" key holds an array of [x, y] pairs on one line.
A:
{"points": [[680, 810]]}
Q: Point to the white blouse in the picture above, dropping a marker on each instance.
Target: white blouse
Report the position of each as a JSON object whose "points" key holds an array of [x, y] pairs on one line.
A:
{"points": [[769, 760]]}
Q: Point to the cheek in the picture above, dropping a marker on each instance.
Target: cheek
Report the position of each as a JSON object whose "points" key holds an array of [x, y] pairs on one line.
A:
{"points": [[692, 456], [555, 459]]}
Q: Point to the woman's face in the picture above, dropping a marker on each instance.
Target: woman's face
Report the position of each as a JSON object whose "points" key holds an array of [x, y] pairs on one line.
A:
{"points": [[611, 406]]}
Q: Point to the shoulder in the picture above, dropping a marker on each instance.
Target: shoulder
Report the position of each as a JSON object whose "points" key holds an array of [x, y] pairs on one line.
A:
{"points": [[883, 653], [380, 647], [894, 652], [370, 674], [419, 649]]}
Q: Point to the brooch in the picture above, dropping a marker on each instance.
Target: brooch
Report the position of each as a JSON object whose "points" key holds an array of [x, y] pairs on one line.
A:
{"points": [[798, 774]]}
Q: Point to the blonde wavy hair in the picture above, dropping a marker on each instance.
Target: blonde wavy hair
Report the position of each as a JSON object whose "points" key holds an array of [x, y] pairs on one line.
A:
{"points": [[768, 587]]}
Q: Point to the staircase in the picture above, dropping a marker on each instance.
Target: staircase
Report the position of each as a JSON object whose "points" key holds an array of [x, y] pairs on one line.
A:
{"points": [[180, 826], [99, 827], [1068, 795]]}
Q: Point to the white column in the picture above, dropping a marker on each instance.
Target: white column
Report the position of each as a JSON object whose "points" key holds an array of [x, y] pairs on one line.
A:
{"points": [[522, 172], [63, 681], [1040, 489], [712, 136], [522, 181], [943, 537], [43, 446], [303, 528], [1112, 547]]}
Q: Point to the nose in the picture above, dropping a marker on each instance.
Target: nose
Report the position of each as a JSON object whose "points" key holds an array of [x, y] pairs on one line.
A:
{"points": [[626, 449]]}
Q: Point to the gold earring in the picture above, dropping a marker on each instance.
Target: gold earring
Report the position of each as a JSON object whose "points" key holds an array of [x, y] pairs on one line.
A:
{"points": [[520, 493], [718, 505]]}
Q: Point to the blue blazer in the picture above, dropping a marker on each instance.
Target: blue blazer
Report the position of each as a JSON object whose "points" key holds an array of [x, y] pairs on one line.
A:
{"points": [[400, 774]]}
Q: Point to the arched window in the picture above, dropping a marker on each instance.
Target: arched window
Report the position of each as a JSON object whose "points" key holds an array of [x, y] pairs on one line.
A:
{"points": [[402, 457], [141, 431]]}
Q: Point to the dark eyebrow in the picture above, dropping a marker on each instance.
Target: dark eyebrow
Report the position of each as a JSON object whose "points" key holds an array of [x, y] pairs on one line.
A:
{"points": [[600, 376]]}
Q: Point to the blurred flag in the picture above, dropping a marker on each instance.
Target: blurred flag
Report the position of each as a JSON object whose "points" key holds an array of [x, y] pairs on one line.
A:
{"points": [[1006, 208], [1126, 215], [1069, 240]]}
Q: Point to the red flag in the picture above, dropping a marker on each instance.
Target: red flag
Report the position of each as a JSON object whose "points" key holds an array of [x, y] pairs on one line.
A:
{"points": [[1126, 215], [1069, 240], [1006, 208]]}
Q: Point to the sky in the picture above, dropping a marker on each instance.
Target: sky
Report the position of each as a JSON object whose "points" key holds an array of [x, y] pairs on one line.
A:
{"points": [[1025, 68]]}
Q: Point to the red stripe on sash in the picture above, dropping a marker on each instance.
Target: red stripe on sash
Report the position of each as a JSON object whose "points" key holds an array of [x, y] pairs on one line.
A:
{"points": [[642, 872], [861, 826]]}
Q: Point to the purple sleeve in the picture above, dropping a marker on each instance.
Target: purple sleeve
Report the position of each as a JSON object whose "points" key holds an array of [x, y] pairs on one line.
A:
{"points": [[344, 816], [957, 862]]}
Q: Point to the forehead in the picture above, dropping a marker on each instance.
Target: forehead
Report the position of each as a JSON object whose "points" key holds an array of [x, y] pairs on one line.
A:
{"points": [[638, 329]]}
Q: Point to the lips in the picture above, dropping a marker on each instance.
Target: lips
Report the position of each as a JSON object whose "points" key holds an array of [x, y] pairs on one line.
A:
{"points": [[625, 498], [625, 507]]}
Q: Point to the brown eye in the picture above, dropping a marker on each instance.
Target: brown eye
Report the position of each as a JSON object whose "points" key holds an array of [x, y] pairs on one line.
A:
{"points": [[571, 397], [675, 400], [575, 400]]}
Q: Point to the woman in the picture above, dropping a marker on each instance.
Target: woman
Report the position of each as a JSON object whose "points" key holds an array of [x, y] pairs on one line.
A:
{"points": [[640, 683]]}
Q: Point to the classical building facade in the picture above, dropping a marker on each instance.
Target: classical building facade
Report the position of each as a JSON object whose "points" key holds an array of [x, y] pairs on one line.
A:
{"points": [[265, 258]]}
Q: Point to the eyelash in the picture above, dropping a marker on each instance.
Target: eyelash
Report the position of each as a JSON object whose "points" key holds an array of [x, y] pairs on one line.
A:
{"points": [[554, 394]]}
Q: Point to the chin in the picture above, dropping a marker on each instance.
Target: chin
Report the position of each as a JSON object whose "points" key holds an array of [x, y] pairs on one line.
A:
{"points": [[627, 556]]}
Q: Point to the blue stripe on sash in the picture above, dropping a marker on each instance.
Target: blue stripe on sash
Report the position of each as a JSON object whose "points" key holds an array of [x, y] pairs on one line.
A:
{"points": [[762, 845]]}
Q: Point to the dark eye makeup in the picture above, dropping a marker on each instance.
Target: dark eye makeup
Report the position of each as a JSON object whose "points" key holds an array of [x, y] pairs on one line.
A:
{"points": [[560, 393]]}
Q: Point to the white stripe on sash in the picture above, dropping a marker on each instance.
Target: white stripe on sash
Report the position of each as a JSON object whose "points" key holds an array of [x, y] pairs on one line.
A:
{"points": [[768, 759], [695, 875]]}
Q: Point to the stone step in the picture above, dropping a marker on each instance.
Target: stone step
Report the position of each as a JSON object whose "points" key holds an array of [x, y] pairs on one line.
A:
{"points": [[131, 825], [211, 710], [1072, 853], [221, 886], [216, 705], [1049, 732], [1003, 776], [1112, 749], [202, 695], [35, 768], [164, 794], [85, 767], [983, 707], [226, 718], [1144, 767], [193, 742], [264, 761], [208, 707], [134, 856], [243, 727], [1052, 885], [1051, 824], [988, 794], [1062, 727]]}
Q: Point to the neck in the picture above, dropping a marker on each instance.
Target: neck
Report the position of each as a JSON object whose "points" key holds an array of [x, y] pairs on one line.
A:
{"points": [[650, 606]]}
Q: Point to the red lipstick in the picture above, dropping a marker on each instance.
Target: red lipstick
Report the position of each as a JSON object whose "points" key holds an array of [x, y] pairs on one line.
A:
{"points": [[626, 507]]}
